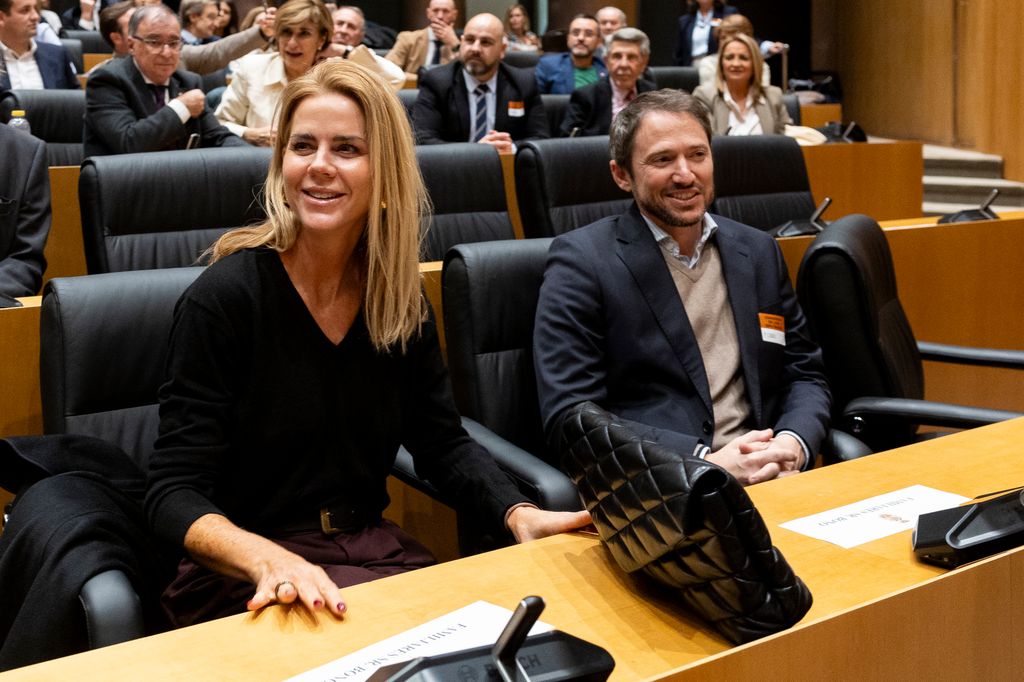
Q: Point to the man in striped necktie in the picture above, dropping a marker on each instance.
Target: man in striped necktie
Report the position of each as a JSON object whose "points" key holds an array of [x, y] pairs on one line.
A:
{"points": [[479, 98]]}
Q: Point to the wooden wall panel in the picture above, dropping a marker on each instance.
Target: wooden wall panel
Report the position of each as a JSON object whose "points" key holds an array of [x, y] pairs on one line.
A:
{"points": [[896, 64], [989, 115]]}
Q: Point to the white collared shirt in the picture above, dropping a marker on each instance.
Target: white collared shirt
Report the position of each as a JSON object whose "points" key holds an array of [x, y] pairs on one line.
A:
{"points": [[671, 246], [491, 98], [701, 33], [746, 124], [22, 69], [178, 107]]}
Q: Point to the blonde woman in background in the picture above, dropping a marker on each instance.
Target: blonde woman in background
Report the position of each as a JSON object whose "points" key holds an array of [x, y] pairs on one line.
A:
{"points": [[738, 103]]}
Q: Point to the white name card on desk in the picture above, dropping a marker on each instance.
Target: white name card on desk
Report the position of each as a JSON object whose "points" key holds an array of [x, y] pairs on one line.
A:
{"points": [[875, 517], [478, 624]]}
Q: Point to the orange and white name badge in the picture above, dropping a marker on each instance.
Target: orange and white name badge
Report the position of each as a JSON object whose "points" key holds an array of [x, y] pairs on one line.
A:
{"points": [[773, 328], [516, 109]]}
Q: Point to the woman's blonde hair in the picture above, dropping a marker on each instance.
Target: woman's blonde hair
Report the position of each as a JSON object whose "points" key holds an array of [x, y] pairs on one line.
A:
{"points": [[295, 12], [756, 63], [389, 248]]}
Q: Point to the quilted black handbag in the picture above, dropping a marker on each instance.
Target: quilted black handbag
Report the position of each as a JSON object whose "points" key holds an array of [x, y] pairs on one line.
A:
{"points": [[684, 522]]}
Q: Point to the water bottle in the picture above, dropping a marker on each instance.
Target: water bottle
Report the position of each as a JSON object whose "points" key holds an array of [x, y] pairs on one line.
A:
{"points": [[19, 122]]}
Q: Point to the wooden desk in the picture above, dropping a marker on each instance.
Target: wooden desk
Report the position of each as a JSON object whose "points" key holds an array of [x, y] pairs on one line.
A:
{"points": [[881, 179], [877, 613], [817, 115], [92, 59], [65, 251]]}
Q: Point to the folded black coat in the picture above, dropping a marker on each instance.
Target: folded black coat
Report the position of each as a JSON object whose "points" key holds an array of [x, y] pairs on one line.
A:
{"points": [[78, 513], [683, 522]]}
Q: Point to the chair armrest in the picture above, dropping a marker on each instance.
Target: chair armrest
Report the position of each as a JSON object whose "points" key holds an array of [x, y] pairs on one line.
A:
{"points": [[113, 611], [925, 412], [840, 446], [405, 471], [965, 355], [549, 487]]}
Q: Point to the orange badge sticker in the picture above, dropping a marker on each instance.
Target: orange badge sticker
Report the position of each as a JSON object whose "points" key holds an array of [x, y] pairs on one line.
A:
{"points": [[773, 328], [516, 109]]}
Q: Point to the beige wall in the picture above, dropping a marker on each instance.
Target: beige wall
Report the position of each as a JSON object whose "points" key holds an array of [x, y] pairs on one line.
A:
{"points": [[942, 71]]}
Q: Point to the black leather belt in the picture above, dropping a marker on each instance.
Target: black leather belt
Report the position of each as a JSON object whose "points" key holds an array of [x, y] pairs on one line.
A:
{"points": [[333, 520]]}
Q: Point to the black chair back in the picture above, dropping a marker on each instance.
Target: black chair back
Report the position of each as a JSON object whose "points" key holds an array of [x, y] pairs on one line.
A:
{"points": [[55, 117], [553, 41], [555, 105], [761, 180], [847, 289], [521, 60], [563, 184], [490, 296], [467, 188], [92, 41], [408, 98], [792, 103], [679, 77], [103, 345], [163, 209], [74, 48]]}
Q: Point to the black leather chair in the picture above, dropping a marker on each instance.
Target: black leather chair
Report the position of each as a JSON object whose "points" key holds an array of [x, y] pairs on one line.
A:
{"points": [[490, 295], [102, 345], [92, 41], [761, 180], [555, 106], [55, 117], [467, 188], [163, 209], [74, 48], [679, 77], [792, 103], [408, 98], [565, 183], [847, 288], [522, 60]]}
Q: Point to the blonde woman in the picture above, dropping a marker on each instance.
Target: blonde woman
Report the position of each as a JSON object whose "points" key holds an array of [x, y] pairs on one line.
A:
{"points": [[302, 28], [300, 360], [739, 104]]}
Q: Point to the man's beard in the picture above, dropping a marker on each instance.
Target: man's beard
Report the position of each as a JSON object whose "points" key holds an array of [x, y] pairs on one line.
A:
{"points": [[659, 212]]}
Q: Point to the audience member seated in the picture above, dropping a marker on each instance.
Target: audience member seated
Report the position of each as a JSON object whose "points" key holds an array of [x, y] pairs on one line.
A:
{"points": [[592, 108], [198, 21], [201, 59], [26, 64], [428, 47], [609, 19], [695, 40], [299, 362], [227, 19], [302, 28], [564, 72], [350, 38], [83, 14], [517, 30], [144, 104], [50, 24], [738, 103], [730, 26], [682, 324], [479, 98], [24, 213]]}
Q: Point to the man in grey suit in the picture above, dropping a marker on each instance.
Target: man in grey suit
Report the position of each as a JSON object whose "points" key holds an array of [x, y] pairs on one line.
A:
{"points": [[142, 103], [682, 324]]}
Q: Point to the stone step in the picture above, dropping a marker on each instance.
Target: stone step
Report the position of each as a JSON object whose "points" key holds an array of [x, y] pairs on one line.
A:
{"points": [[961, 163], [971, 190]]}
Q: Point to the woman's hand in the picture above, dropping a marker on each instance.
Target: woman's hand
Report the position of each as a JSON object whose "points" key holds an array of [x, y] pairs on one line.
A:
{"points": [[261, 137], [529, 523], [279, 575]]}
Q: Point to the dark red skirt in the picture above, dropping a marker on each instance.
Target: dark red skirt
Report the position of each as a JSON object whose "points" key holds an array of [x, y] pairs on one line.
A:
{"points": [[199, 594]]}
